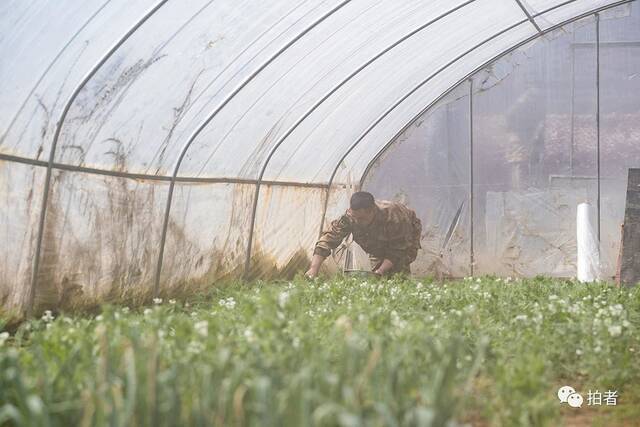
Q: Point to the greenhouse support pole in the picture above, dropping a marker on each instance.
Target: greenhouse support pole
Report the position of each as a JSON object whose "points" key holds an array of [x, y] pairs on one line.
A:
{"points": [[529, 17], [598, 120], [573, 100], [214, 113], [54, 144], [313, 108], [471, 188]]}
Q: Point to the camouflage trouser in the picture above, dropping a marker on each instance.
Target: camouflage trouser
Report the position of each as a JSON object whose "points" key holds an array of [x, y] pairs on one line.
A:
{"points": [[400, 268]]}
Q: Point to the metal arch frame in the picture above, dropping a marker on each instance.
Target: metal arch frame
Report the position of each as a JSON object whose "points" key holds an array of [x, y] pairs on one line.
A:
{"points": [[272, 84], [324, 211], [50, 164], [544, 12], [400, 101], [235, 74], [206, 122], [309, 111], [56, 136], [469, 75]]}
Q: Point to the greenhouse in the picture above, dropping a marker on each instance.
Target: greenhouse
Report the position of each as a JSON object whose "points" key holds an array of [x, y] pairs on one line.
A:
{"points": [[155, 149], [165, 144]]}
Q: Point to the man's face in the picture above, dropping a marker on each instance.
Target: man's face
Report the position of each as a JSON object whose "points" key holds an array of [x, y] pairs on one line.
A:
{"points": [[362, 216]]}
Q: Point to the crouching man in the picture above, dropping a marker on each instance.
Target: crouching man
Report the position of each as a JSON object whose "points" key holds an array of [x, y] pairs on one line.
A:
{"points": [[389, 232]]}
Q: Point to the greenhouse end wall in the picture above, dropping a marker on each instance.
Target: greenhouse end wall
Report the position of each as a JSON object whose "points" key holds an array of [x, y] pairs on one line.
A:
{"points": [[555, 124]]}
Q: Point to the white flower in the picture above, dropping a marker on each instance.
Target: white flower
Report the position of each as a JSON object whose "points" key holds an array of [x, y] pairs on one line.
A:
{"points": [[125, 309], [249, 335], [3, 337], [202, 328], [521, 317], [283, 298], [397, 321], [579, 352], [99, 318], [195, 347], [172, 301], [227, 302], [615, 330], [616, 310], [47, 316], [147, 311], [157, 301]]}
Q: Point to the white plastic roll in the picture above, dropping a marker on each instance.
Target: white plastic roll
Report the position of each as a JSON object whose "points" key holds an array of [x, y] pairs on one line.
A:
{"points": [[588, 254]]}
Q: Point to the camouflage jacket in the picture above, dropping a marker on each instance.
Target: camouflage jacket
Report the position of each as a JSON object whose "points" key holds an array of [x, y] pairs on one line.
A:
{"points": [[393, 234]]}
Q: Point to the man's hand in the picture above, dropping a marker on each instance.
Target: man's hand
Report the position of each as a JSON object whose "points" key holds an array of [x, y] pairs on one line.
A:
{"points": [[384, 267], [316, 262], [311, 273]]}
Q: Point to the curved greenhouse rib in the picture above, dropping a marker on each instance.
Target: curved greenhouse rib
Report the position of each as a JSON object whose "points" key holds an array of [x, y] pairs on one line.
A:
{"points": [[46, 70], [56, 136], [495, 58], [215, 112], [293, 127]]}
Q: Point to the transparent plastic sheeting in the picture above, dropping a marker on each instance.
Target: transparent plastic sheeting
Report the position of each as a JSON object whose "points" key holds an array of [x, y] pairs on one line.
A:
{"points": [[140, 108], [101, 239], [534, 156], [286, 230], [19, 210], [47, 48], [535, 151], [207, 234]]}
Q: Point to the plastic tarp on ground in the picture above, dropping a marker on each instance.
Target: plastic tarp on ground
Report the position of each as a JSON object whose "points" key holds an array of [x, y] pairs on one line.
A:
{"points": [[117, 97]]}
